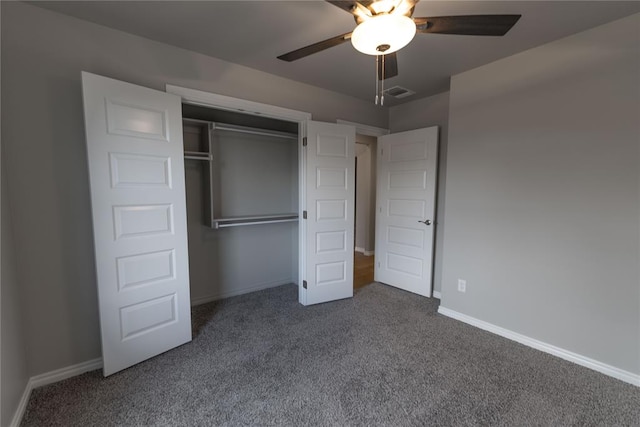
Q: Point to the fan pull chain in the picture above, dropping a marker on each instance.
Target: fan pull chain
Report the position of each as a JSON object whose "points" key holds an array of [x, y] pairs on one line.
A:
{"points": [[377, 62], [382, 82]]}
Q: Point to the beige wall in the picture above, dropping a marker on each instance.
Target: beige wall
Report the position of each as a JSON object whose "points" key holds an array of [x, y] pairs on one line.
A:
{"points": [[543, 202]]}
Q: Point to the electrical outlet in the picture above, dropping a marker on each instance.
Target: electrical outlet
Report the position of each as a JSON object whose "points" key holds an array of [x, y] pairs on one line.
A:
{"points": [[462, 285]]}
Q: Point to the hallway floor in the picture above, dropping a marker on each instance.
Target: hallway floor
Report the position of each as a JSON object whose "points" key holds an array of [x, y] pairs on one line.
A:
{"points": [[362, 270]]}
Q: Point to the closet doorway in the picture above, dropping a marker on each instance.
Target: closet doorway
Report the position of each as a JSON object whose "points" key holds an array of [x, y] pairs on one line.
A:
{"points": [[241, 174], [325, 199]]}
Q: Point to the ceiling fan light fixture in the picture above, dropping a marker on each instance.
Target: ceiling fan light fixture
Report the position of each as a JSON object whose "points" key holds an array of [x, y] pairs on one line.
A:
{"points": [[372, 36]]}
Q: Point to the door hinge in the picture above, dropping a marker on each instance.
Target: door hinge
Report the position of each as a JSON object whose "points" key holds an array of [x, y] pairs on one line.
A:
{"points": [[304, 214], [304, 141], [304, 284]]}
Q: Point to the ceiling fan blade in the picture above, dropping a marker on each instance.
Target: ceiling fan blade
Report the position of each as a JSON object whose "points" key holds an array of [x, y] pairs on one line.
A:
{"points": [[315, 48], [467, 25], [390, 66]]}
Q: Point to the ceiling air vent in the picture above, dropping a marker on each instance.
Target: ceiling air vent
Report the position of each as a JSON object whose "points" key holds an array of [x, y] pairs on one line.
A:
{"points": [[398, 92]]}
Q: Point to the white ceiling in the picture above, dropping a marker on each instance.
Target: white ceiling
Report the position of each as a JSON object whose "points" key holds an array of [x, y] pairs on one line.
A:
{"points": [[254, 33]]}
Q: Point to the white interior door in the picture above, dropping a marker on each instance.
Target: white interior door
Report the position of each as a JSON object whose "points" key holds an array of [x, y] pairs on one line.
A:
{"points": [[329, 203], [136, 169], [406, 189]]}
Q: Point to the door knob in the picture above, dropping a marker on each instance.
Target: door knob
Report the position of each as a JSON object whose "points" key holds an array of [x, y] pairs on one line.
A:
{"points": [[426, 222]]}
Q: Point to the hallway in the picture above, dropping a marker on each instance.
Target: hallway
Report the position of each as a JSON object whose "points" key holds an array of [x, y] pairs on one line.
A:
{"points": [[362, 270]]}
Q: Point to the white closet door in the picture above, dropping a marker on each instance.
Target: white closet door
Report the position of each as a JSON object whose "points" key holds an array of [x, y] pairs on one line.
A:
{"points": [[136, 169], [405, 196], [330, 198]]}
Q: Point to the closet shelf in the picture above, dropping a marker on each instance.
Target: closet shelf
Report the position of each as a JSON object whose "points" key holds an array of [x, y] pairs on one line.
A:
{"points": [[236, 221], [202, 140]]}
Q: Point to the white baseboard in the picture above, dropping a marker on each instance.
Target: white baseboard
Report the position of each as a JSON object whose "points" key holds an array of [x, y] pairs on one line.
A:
{"points": [[235, 292], [570, 356], [436, 294], [50, 378], [91, 365], [363, 251], [22, 406]]}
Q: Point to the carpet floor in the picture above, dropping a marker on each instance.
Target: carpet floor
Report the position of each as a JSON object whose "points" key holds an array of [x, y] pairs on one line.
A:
{"points": [[384, 357]]}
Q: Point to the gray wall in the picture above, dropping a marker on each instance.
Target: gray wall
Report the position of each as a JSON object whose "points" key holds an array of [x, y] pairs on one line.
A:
{"points": [[543, 155], [542, 207], [427, 112], [363, 171], [365, 192], [13, 368], [43, 137]]}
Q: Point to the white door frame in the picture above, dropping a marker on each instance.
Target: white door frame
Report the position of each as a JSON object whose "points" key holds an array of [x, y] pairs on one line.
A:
{"points": [[363, 129], [376, 132], [222, 102], [368, 130]]}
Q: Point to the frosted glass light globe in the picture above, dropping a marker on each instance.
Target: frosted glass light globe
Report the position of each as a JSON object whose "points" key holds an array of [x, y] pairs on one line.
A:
{"points": [[395, 31]]}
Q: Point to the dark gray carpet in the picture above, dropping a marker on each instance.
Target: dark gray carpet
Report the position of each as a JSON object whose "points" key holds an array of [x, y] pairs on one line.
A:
{"points": [[384, 357]]}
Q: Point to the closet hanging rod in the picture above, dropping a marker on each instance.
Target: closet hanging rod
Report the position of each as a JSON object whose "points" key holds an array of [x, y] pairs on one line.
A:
{"points": [[197, 155], [245, 129], [237, 224], [290, 215], [254, 219]]}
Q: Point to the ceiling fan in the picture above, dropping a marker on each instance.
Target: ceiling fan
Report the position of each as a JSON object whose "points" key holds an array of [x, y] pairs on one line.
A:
{"points": [[386, 26]]}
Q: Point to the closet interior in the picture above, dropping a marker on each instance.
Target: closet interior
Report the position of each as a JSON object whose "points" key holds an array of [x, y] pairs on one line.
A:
{"points": [[241, 174]]}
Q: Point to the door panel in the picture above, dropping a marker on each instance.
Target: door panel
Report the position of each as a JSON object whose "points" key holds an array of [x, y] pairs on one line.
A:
{"points": [[407, 164], [330, 186], [136, 170]]}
